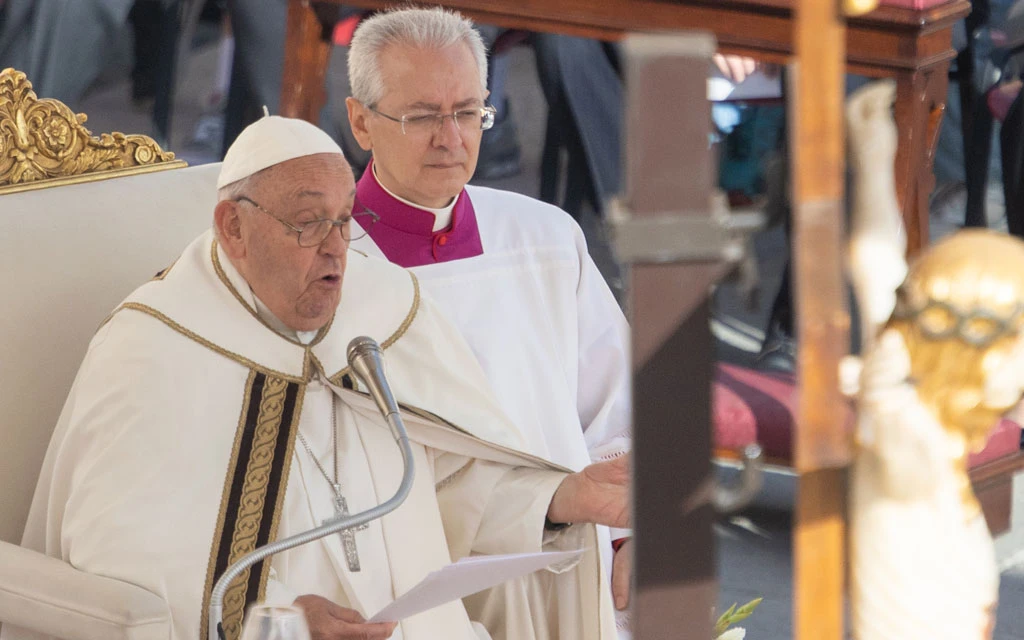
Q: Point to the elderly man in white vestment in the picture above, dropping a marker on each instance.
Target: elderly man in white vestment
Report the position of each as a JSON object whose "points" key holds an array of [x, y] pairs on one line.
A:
{"points": [[214, 412], [511, 272]]}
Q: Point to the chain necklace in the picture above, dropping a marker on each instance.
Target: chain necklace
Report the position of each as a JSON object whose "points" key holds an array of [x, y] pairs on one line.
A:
{"points": [[348, 538]]}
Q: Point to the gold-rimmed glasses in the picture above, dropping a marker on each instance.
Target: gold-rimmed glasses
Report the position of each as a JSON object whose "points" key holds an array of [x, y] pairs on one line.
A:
{"points": [[314, 232], [423, 123]]}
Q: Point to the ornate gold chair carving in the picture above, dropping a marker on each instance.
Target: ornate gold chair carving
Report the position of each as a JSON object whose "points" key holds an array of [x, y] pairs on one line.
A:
{"points": [[42, 142], [83, 221]]}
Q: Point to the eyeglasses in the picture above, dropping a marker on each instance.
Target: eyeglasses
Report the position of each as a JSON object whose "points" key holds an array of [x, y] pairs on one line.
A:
{"points": [[472, 119], [314, 232]]}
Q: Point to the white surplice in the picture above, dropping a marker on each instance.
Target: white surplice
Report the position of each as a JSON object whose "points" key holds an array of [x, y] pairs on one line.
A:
{"points": [[543, 324], [137, 483]]}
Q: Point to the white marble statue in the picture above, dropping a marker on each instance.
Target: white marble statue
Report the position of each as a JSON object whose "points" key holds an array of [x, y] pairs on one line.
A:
{"points": [[943, 359]]}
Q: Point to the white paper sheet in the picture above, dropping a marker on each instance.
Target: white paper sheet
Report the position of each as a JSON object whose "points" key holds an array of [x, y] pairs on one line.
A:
{"points": [[466, 577]]}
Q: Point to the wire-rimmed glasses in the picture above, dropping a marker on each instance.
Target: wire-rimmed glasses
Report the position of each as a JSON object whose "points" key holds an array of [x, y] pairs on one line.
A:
{"points": [[314, 232], [420, 123]]}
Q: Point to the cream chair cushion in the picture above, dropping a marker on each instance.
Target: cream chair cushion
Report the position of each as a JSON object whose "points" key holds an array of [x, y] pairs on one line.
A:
{"points": [[69, 254], [54, 599]]}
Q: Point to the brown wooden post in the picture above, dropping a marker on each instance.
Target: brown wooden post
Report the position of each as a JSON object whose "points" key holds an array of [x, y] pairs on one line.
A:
{"points": [[920, 105], [669, 172], [822, 446], [306, 54]]}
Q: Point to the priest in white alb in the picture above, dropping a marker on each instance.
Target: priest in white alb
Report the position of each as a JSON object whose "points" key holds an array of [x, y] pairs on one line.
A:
{"points": [[512, 273], [214, 412]]}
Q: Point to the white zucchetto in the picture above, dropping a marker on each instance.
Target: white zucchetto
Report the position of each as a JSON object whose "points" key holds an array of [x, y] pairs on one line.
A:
{"points": [[272, 140]]}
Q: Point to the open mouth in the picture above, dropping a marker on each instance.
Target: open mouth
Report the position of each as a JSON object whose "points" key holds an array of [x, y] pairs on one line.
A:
{"points": [[331, 278]]}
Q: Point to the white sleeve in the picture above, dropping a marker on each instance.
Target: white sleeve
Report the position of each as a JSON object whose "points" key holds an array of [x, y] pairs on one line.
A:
{"points": [[491, 508], [603, 394]]}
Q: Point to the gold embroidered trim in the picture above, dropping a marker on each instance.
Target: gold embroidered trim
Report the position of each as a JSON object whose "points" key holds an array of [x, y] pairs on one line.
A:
{"points": [[254, 493], [109, 317], [44, 143], [324, 330], [315, 362], [219, 269], [218, 531], [286, 466], [249, 364], [402, 328], [245, 492], [307, 367], [163, 273]]}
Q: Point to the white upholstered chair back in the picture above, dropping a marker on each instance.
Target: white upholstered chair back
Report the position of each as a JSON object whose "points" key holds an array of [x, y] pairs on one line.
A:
{"points": [[68, 255]]}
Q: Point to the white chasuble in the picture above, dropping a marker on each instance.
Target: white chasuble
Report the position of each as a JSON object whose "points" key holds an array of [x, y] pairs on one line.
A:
{"points": [[177, 452]]}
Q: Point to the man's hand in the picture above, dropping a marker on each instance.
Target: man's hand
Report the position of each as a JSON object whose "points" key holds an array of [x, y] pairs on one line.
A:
{"points": [[598, 494], [622, 574], [734, 68], [328, 621]]}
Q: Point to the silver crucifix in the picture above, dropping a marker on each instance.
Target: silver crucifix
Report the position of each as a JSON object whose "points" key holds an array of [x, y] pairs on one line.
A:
{"points": [[348, 536]]}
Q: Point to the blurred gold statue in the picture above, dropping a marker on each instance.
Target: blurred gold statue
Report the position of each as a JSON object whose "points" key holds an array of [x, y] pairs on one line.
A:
{"points": [[853, 8], [943, 359]]}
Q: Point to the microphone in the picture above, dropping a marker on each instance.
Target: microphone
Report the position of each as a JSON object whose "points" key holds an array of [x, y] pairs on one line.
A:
{"points": [[366, 361], [364, 356]]}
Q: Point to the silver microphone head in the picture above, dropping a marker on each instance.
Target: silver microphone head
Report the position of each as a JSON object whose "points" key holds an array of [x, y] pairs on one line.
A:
{"points": [[362, 346], [367, 363]]}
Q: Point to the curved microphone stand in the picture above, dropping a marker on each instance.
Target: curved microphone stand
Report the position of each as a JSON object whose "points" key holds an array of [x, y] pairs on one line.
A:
{"points": [[364, 357]]}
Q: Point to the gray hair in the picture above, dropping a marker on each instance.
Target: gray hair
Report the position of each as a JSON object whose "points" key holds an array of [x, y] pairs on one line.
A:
{"points": [[419, 28], [233, 191], [236, 189]]}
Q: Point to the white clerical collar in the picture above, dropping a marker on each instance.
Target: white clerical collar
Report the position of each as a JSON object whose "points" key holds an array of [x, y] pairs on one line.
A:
{"points": [[242, 287], [442, 216]]}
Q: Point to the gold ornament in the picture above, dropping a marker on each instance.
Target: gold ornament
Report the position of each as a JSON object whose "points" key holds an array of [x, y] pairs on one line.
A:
{"points": [[42, 140]]}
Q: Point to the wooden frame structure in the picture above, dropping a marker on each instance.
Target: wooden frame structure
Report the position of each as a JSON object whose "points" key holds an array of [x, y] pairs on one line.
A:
{"points": [[914, 47]]}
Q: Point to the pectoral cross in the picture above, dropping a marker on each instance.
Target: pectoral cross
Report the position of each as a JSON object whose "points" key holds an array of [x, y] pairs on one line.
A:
{"points": [[348, 536]]}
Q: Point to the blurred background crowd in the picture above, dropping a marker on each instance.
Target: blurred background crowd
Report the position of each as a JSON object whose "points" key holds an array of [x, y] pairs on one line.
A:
{"points": [[193, 73]]}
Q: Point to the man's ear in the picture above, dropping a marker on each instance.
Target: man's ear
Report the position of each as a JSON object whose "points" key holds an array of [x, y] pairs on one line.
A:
{"points": [[228, 223], [357, 119]]}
